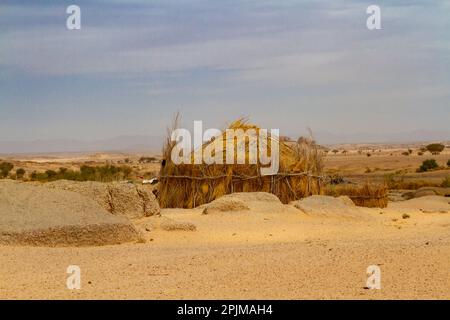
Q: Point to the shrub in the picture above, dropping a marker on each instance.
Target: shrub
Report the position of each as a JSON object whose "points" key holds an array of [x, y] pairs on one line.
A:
{"points": [[367, 195], [368, 154], [427, 165], [51, 174], [446, 182], [420, 153], [147, 159], [20, 173], [448, 163], [38, 176], [406, 153], [106, 173], [5, 169], [435, 148]]}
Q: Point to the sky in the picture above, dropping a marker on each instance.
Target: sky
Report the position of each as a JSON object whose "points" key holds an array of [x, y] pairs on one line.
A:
{"points": [[284, 64]]}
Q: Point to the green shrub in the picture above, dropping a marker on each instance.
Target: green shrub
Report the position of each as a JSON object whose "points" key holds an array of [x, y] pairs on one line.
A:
{"points": [[427, 165], [435, 148], [106, 173], [147, 159], [51, 174], [446, 182], [20, 173], [5, 169]]}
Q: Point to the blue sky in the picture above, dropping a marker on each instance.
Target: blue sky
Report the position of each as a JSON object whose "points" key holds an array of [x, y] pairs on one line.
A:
{"points": [[285, 64]]}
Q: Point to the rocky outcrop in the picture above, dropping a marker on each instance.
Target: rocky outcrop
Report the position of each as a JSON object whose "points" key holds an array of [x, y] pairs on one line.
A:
{"points": [[39, 216], [426, 191], [119, 198]]}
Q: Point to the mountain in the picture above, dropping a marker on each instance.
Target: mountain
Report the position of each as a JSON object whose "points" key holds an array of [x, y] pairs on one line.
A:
{"points": [[121, 143], [144, 143]]}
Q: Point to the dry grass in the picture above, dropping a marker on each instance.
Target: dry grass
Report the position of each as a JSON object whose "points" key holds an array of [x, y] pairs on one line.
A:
{"points": [[191, 185], [368, 195]]}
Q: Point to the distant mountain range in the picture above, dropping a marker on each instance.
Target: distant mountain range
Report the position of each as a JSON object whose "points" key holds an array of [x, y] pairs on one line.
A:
{"points": [[144, 143], [121, 143]]}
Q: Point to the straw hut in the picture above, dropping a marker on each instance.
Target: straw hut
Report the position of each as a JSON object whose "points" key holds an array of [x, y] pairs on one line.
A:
{"points": [[190, 185]]}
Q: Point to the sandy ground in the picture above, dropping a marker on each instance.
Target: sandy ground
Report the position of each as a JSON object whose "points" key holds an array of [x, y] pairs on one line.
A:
{"points": [[355, 167], [256, 254]]}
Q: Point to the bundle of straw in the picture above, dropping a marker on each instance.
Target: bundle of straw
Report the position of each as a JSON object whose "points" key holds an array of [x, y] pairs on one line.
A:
{"points": [[368, 195]]}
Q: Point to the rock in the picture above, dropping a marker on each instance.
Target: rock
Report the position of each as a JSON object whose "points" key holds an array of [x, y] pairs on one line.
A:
{"points": [[330, 207], [225, 204], [118, 198], [395, 195], [166, 224], [246, 201], [171, 225], [39, 216], [426, 191]]}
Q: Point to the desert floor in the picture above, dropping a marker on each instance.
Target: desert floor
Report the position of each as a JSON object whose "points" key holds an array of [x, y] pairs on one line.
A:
{"points": [[250, 255], [254, 255]]}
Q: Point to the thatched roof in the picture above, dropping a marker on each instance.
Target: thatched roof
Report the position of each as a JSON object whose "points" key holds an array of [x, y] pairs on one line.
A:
{"points": [[190, 185]]}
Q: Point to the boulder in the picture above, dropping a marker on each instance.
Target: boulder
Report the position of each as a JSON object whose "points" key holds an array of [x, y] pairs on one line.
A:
{"points": [[426, 191], [330, 207], [119, 198], [246, 201], [39, 216]]}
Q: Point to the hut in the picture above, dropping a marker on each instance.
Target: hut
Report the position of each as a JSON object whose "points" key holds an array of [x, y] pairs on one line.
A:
{"points": [[188, 185]]}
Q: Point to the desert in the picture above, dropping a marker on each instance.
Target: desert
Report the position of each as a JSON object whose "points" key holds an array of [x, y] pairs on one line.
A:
{"points": [[244, 245], [224, 150]]}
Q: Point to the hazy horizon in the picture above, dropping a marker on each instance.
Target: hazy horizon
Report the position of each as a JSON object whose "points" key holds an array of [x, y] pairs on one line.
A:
{"points": [[154, 144], [288, 64]]}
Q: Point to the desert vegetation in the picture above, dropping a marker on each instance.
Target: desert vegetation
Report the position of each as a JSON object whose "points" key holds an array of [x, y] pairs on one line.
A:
{"points": [[446, 182], [106, 173], [427, 165], [368, 195], [5, 169], [147, 160], [435, 148]]}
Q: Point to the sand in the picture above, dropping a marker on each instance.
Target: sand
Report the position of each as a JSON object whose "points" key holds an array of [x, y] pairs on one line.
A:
{"points": [[251, 254]]}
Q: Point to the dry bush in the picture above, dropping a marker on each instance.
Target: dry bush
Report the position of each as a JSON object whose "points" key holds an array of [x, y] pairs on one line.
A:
{"points": [[368, 195], [446, 182]]}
